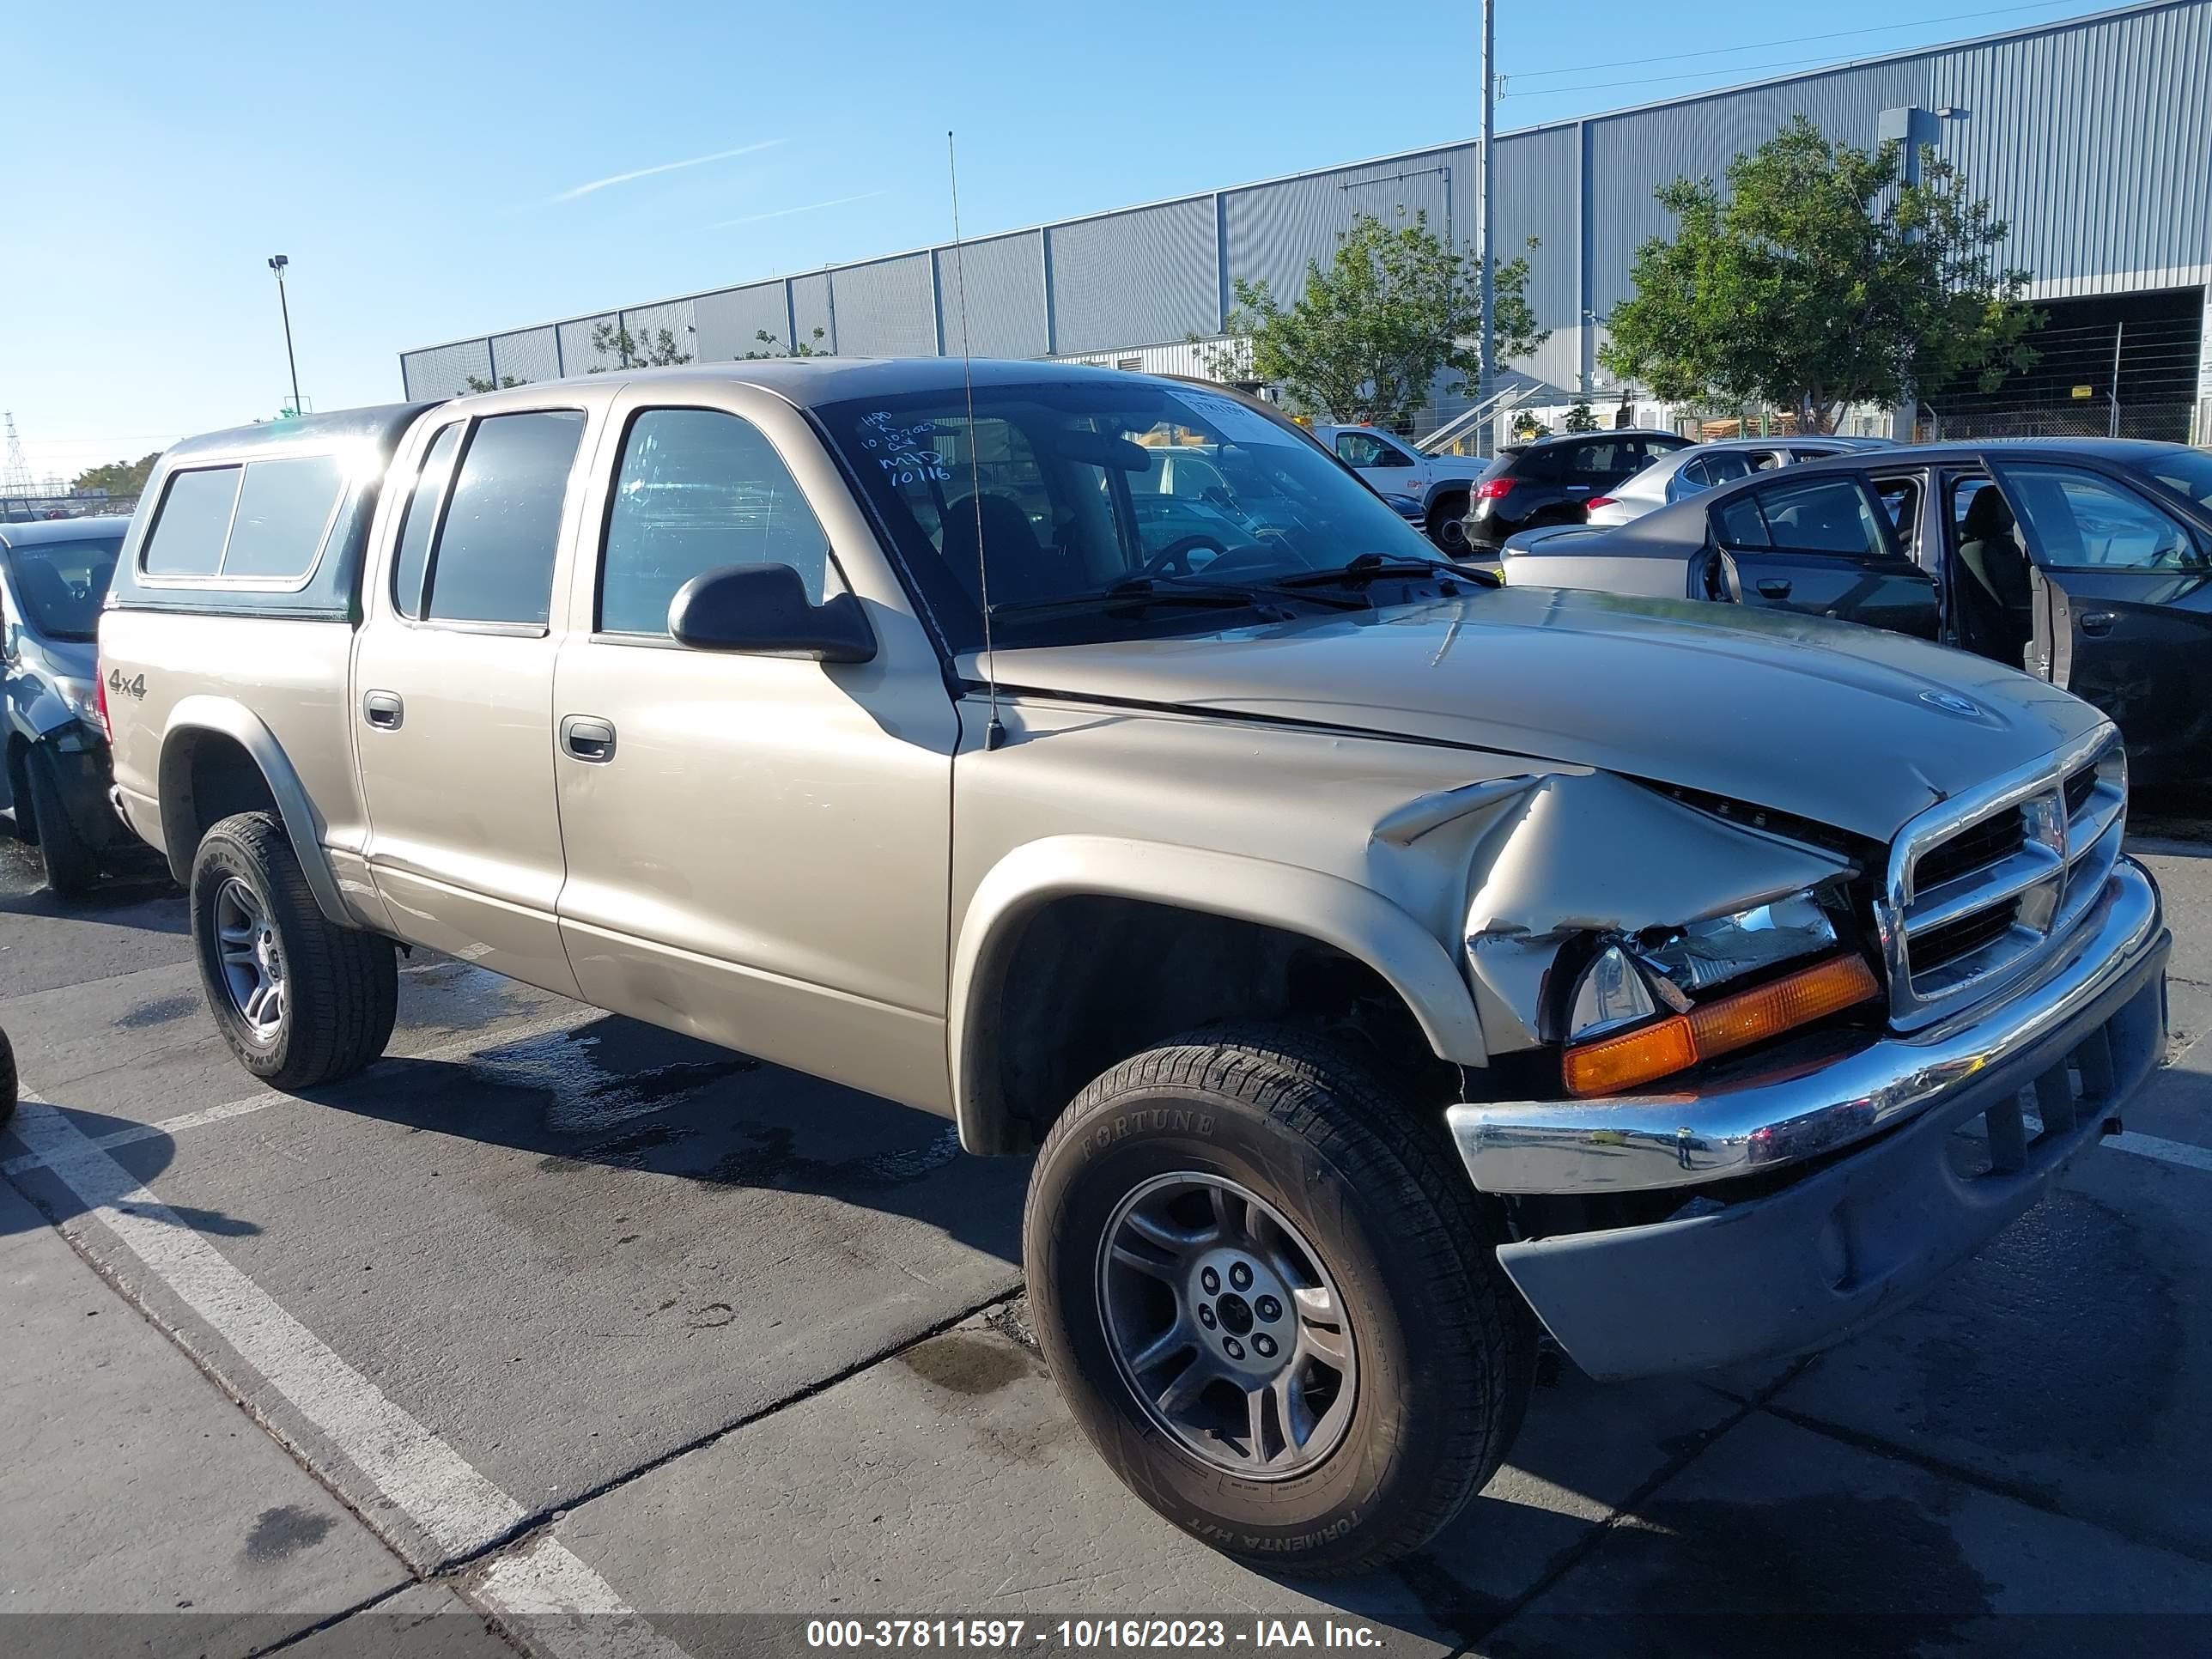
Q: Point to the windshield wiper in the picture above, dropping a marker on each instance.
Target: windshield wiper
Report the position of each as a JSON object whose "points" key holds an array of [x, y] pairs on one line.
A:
{"points": [[1141, 592], [1370, 566]]}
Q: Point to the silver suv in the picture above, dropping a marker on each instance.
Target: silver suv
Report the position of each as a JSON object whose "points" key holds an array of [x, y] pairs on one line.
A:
{"points": [[1383, 967]]}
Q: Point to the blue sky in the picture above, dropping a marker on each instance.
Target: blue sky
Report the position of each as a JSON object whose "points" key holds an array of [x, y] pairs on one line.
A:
{"points": [[440, 170]]}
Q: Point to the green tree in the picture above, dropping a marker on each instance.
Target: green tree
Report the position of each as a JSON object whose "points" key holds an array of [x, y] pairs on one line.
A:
{"points": [[477, 383], [1818, 281], [807, 348], [117, 477], [644, 349], [1579, 417], [1365, 340], [1527, 427]]}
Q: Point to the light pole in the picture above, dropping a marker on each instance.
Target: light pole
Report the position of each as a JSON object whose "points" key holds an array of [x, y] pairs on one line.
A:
{"points": [[276, 262], [1486, 371]]}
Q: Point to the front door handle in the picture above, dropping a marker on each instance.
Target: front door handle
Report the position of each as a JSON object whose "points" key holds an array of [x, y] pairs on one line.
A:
{"points": [[2098, 623], [383, 709], [587, 738], [1773, 587]]}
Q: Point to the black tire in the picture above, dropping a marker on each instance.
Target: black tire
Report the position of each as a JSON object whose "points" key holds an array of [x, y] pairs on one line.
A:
{"points": [[1446, 1348], [342, 986], [72, 865], [1448, 526], [8, 1089]]}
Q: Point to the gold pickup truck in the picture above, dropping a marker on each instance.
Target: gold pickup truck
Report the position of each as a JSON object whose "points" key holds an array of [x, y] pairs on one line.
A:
{"points": [[1384, 967]]}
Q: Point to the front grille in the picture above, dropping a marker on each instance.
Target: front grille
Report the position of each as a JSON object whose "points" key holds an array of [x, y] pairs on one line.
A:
{"points": [[1970, 849], [1939, 946], [1981, 885], [2079, 789]]}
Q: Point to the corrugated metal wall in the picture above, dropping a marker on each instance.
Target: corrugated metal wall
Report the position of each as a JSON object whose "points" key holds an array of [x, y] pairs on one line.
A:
{"points": [[732, 322], [1136, 278], [1631, 155], [887, 309], [1274, 230], [2093, 138], [999, 281], [2115, 122]]}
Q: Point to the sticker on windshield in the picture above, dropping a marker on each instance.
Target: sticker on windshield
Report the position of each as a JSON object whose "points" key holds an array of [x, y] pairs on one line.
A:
{"points": [[1234, 421], [903, 452]]}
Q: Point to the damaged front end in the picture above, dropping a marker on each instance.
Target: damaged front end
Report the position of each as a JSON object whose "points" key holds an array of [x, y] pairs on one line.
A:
{"points": [[1616, 933], [1712, 1141]]}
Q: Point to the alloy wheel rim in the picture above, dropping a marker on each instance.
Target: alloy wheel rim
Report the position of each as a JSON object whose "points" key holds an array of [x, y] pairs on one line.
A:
{"points": [[1226, 1326], [252, 960]]}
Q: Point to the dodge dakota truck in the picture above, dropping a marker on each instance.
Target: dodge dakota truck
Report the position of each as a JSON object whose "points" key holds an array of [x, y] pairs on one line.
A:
{"points": [[1384, 968]]}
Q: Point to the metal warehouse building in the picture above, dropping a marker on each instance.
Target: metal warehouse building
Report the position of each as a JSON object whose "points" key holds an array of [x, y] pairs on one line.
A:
{"points": [[2092, 137]]}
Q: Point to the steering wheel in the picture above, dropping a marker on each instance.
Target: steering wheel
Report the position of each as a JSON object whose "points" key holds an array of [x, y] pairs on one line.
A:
{"points": [[1173, 559]]}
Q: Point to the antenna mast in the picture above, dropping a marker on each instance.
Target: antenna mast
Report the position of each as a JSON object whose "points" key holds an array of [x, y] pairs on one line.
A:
{"points": [[995, 732]]}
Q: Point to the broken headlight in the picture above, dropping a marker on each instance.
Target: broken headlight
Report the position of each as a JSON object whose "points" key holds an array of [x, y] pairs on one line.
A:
{"points": [[1695, 958]]}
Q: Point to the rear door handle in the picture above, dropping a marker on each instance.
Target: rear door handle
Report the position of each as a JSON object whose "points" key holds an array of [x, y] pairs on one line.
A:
{"points": [[587, 738], [1773, 587], [383, 709], [2098, 622]]}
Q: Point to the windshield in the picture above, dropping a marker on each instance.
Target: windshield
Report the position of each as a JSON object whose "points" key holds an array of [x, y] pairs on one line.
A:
{"points": [[1072, 489], [2186, 472], [61, 585]]}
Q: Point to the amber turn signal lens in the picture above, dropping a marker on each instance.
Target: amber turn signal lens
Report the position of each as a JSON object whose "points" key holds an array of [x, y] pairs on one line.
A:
{"points": [[1612, 1064]]}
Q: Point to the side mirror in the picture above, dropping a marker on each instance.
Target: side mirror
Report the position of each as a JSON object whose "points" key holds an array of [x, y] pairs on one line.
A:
{"points": [[763, 610]]}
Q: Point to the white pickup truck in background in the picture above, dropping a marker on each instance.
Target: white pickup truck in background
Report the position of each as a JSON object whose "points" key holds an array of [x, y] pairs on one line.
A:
{"points": [[1396, 467]]}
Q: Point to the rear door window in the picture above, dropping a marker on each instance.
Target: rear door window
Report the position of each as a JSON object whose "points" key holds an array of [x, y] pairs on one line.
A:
{"points": [[194, 521], [1723, 466], [1737, 522], [1822, 515], [493, 558], [1600, 461]]}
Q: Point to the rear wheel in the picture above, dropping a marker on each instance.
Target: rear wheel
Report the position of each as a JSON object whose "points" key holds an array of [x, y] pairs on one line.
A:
{"points": [[1448, 525], [300, 1001], [72, 865], [1272, 1300]]}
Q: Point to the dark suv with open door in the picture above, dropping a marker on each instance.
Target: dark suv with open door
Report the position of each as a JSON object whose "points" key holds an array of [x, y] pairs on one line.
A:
{"points": [[1550, 481], [2085, 562]]}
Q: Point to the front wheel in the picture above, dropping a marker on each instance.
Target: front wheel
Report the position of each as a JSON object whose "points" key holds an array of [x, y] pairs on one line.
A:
{"points": [[1272, 1300], [300, 1001]]}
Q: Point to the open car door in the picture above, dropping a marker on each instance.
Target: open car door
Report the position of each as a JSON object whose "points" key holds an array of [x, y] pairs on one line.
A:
{"points": [[1820, 545], [2122, 612]]}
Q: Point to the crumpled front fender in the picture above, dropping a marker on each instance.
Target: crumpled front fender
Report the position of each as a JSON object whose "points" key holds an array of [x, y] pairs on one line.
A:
{"points": [[1592, 853]]}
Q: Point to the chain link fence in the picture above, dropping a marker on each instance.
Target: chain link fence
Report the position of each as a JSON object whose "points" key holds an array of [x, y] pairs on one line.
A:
{"points": [[2123, 379], [2171, 421]]}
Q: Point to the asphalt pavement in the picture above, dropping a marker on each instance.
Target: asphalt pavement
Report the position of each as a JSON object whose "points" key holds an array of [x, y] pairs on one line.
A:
{"points": [[556, 1331]]}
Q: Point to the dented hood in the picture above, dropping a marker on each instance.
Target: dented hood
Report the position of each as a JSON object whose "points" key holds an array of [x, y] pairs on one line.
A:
{"points": [[1847, 726]]}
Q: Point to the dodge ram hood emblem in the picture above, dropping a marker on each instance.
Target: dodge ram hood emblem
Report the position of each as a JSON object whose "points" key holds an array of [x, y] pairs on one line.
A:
{"points": [[1952, 703]]}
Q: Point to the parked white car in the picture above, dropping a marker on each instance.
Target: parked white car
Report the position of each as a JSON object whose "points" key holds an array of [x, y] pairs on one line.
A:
{"points": [[1688, 471], [1439, 482]]}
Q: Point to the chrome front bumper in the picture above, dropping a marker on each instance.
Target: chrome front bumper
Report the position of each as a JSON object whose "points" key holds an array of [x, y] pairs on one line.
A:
{"points": [[1757, 1117]]}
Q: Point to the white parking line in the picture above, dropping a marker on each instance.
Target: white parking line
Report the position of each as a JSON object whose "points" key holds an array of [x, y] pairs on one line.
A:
{"points": [[474, 1043], [2167, 1152], [423, 1477]]}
